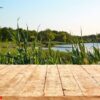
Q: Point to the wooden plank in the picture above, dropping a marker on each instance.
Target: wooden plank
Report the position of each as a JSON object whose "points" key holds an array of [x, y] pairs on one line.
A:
{"points": [[35, 84], [5, 80], [53, 98], [2, 66], [94, 72], [97, 68], [87, 84], [18, 82], [5, 69], [53, 84], [70, 85], [50, 82]]}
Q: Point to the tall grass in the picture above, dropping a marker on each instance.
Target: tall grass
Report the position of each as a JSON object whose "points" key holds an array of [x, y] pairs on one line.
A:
{"points": [[80, 54], [29, 55], [24, 53]]}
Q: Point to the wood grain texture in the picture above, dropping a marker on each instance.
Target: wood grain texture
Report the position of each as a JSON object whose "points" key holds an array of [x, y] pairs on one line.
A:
{"points": [[70, 86], [50, 82], [53, 98], [53, 84], [88, 85], [6, 80], [35, 84]]}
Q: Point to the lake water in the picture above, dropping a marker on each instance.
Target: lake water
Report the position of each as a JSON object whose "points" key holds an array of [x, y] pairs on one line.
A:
{"points": [[89, 47]]}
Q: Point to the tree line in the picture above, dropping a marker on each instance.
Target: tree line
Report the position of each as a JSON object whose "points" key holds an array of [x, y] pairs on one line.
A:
{"points": [[6, 34]]}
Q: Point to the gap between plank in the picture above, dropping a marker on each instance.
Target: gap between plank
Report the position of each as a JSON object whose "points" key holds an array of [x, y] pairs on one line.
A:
{"points": [[45, 80], [77, 83], [89, 75], [60, 80]]}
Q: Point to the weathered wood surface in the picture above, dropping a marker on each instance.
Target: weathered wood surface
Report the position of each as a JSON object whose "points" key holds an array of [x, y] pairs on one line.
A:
{"points": [[50, 82]]}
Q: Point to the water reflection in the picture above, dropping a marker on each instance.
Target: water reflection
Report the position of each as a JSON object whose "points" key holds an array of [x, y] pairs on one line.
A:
{"points": [[89, 47]]}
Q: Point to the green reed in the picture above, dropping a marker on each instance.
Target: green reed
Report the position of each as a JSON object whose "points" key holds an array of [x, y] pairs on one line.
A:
{"points": [[25, 53]]}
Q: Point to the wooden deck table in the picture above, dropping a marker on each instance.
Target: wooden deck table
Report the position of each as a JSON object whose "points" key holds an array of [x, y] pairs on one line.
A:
{"points": [[49, 82]]}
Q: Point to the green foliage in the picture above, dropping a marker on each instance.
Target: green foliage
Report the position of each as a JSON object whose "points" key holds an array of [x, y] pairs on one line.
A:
{"points": [[46, 35], [5, 34], [80, 54], [22, 51]]}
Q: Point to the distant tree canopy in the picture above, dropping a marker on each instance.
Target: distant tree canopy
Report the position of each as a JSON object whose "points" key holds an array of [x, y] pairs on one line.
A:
{"points": [[46, 35], [6, 34]]}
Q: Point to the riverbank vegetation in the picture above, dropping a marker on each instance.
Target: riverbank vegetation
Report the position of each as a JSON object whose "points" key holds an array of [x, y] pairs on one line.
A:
{"points": [[26, 47]]}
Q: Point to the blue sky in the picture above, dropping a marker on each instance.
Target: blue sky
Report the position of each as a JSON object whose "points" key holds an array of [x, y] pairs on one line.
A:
{"points": [[65, 15]]}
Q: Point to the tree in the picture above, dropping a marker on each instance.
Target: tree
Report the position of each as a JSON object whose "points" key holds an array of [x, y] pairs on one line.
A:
{"points": [[46, 35], [50, 35], [5, 34]]}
